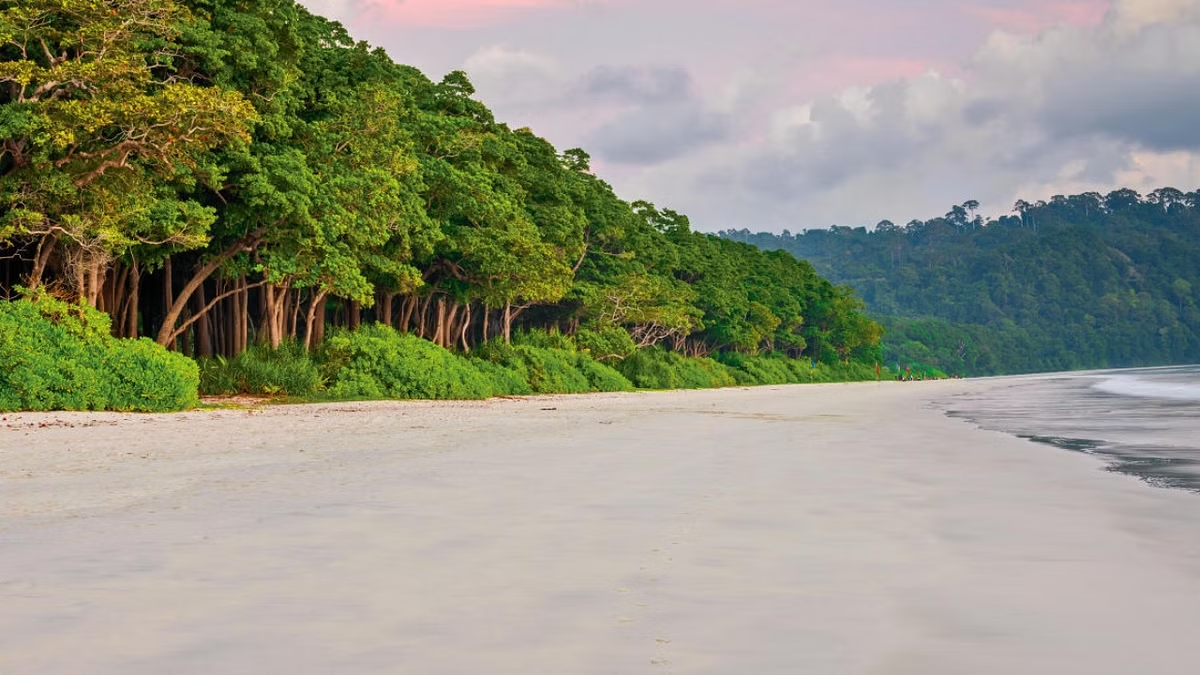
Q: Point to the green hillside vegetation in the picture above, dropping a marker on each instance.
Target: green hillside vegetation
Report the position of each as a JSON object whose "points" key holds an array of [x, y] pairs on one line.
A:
{"points": [[247, 185], [1086, 281]]}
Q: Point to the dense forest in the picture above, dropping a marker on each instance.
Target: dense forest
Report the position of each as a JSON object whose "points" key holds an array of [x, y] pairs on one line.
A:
{"points": [[1082, 281], [218, 174]]}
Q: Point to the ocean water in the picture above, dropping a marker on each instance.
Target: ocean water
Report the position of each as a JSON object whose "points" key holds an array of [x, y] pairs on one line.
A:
{"points": [[1144, 422]]}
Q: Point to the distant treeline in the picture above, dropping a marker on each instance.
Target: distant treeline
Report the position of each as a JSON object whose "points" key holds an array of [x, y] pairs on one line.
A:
{"points": [[216, 174], [1086, 281]]}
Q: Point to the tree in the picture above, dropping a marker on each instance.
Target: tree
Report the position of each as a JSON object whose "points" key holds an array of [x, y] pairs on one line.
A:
{"points": [[95, 123]]}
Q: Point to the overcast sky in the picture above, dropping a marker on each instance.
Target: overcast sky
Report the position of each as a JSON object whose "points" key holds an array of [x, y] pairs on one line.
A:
{"points": [[773, 114]]}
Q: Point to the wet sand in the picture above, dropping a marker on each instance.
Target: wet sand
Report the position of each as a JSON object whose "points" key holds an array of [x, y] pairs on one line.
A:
{"points": [[813, 529]]}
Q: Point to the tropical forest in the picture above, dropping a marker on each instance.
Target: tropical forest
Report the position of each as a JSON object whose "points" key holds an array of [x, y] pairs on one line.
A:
{"points": [[1076, 282], [226, 197]]}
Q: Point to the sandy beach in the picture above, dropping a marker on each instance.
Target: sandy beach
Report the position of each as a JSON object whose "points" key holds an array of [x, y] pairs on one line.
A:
{"points": [[821, 529]]}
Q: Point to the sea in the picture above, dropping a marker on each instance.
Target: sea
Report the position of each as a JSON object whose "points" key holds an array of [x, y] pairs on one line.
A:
{"points": [[1144, 422]]}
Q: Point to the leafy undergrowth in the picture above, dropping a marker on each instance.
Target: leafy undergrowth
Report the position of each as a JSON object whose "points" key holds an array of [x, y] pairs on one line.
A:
{"points": [[59, 356], [377, 362]]}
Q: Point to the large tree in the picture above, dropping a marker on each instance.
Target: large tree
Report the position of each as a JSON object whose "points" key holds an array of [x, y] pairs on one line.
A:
{"points": [[96, 125]]}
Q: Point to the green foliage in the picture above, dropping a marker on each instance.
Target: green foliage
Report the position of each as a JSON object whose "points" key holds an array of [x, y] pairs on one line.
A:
{"points": [[601, 376], [544, 339], [606, 344], [98, 128], [504, 381], [377, 362], [552, 371], [259, 146], [261, 370], [1082, 281], [551, 365], [658, 368], [763, 369], [59, 356]]}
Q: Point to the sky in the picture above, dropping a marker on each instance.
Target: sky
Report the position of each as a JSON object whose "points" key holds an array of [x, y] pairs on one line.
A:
{"points": [[797, 114]]}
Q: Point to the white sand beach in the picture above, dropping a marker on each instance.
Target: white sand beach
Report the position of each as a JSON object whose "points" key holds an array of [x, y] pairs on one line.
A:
{"points": [[821, 529]]}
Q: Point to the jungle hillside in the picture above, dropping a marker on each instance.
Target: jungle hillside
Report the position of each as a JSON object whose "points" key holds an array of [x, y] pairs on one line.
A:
{"points": [[1081, 281]]}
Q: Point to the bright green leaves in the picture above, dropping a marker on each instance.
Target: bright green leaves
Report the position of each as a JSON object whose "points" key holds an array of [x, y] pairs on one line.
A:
{"points": [[96, 128], [256, 141]]}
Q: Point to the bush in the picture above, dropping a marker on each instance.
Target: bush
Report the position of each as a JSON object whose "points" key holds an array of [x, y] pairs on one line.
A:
{"points": [[656, 368], [261, 370], [504, 381], [59, 356], [548, 370], [843, 372], [602, 377], [606, 344], [377, 362], [544, 339], [762, 369], [554, 369]]}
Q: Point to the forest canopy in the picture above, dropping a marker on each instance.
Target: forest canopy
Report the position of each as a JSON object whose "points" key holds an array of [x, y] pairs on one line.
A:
{"points": [[216, 174], [1081, 281]]}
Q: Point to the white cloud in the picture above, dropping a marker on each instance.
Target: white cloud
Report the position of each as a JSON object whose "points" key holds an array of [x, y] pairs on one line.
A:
{"points": [[1067, 110], [748, 133]]}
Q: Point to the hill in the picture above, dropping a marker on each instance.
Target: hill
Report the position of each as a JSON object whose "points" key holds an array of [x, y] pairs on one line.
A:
{"points": [[1085, 281]]}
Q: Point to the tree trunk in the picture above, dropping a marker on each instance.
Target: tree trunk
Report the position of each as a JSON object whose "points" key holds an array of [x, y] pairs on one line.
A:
{"points": [[273, 314], [175, 306], [104, 299], [487, 312], [168, 290], [319, 328], [507, 323], [204, 346], [466, 327], [423, 316], [410, 304], [294, 319], [95, 278], [131, 307], [354, 318], [448, 337], [315, 307], [385, 309], [44, 250], [439, 335], [242, 320]]}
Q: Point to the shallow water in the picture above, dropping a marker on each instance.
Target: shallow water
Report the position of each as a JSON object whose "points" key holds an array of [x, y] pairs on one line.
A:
{"points": [[1144, 422]]}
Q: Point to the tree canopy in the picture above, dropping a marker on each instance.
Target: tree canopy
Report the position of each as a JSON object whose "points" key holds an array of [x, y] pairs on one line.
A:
{"points": [[1081, 281], [215, 173]]}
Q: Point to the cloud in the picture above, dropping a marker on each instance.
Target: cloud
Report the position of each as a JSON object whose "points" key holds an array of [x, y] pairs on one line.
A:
{"points": [[650, 136], [773, 113], [1079, 106], [636, 115], [436, 13], [639, 85]]}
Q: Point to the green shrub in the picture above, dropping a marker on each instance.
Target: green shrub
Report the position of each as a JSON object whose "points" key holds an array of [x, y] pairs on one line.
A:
{"points": [[656, 368], [600, 376], [606, 344], [843, 372], [550, 369], [543, 339], [504, 381], [377, 362], [59, 356], [261, 370]]}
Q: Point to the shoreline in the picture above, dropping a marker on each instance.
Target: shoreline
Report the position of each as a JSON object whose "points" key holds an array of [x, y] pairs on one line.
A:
{"points": [[833, 528]]}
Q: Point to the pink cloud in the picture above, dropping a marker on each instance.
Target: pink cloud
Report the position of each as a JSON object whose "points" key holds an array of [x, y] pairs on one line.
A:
{"points": [[831, 75], [449, 13], [1034, 18]]}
